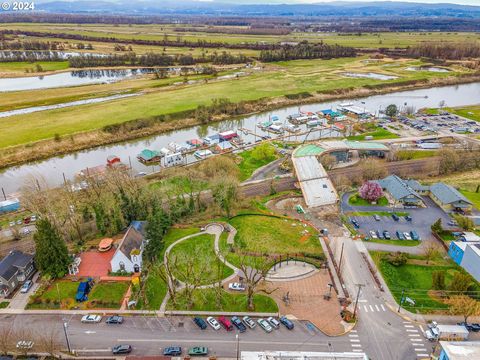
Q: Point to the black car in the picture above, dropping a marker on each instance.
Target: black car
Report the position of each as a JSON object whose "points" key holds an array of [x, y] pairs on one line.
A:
{"points": [[122, 349], [395, 217], [470, 327], [238, 324], [380, 234], [288, 324], [408, 218], [200, 323], [172, 351], [355, 223], [386, 235], [115, 319]]}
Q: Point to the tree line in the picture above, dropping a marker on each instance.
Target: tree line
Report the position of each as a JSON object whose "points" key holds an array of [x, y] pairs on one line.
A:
{"points": [[154, 59], [306, 50], [447, 51]]}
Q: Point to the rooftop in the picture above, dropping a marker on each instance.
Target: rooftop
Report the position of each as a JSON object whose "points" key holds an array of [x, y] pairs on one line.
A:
{"points": [[397, 187], [461, 350], [447, 194], [12, 262], [308, 150]]}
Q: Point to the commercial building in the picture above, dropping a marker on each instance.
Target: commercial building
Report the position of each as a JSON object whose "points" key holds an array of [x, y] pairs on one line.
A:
{"points": [[467, 255], [449, 198], [459, 350]]}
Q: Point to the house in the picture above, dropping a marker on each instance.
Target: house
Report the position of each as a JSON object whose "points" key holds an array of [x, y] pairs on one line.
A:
{"points": [[400, 191], [15, 269], [149, 156], [449, 198], [459, 350], [128, 255]]}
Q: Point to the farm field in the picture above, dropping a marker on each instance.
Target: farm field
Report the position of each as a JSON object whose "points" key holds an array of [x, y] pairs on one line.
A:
{"points": [[276, 80], [158, 32]]}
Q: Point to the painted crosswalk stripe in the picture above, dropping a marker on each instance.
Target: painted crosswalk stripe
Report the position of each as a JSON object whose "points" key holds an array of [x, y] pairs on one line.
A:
{"points": [[353, 331], [420, 349], [356, 345], [376, 307], [363, 301], [365, 307], [354, 340], [371, 307], [414, 335], [357, 350], [406, 322], [383, 308], [412, 330], [353, 335], [423, 355], [409, 326], [415, 340]]}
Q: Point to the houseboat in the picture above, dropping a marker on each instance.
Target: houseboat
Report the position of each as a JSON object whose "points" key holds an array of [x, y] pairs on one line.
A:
{"points": [[224, 146], [276, 129], [265, 124], [293, 128], [149, 156], [195, 142], [297, 120], [314, 123], [202, 154], [211, 140], [174, 159], [228, 135]]}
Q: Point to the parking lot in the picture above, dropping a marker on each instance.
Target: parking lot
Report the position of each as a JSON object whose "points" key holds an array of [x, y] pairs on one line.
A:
{"points": [[445, 122], [422, 219]]}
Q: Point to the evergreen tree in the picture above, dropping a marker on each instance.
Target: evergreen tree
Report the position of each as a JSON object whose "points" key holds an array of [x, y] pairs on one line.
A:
{"points": [[51, 253], [158, 224]]}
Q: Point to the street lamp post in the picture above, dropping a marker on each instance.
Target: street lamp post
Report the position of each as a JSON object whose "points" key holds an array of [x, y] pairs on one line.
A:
{"points": [[65, 325], [238, 345]]}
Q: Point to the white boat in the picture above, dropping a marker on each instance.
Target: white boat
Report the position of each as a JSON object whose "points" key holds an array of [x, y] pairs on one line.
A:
{"points": [[292, 128], [313, 123], [277, 129]]}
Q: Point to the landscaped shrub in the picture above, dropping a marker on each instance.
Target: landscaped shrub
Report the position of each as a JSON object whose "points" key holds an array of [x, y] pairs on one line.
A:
{"points": [[397, 258]]}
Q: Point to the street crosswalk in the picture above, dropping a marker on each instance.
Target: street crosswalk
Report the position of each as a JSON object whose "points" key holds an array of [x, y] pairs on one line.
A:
{"points": [[374, 308], [415, 335], [355, 341]]}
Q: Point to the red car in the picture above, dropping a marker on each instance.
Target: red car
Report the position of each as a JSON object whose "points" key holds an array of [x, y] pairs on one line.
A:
{"points": [[225, 323]]}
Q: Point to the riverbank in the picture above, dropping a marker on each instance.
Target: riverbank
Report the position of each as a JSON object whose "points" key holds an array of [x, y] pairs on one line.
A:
{"points": [[44, 149]]}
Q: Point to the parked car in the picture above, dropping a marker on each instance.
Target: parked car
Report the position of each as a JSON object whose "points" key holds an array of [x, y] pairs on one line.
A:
{"points": [[414, 235], [33, 218], [274, 322], [27, 220], [376, 217], [408, 218], [470, 327], [264, 325], [11, 223], [25, 344], [395, 217], [288, 324], [172, 351], [122, 349], [114, 319], [249, 322], [91, 318], [386, 235], [355, 223], [19, 222], [400, 235], [225, 323], [238, 324], [25, 231], [236, 287], [373, 234], [407, 236], [379, 234], [200, 322], [26, 286], [198, 351], [213, 323]]}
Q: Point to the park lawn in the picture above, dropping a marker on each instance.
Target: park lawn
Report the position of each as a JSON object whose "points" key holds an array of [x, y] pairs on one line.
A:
{"points": [[378, 134], [474, 197], [356, 200], [469, 112], [249, 164], [291, 77], [201, 250], [108, 294], [271, 236], [206, 300], [415, 278], [174, 234], [155, 291], [414, 154]]}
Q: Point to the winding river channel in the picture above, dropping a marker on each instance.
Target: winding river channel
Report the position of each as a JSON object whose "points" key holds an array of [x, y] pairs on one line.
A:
{"points": [[53, 169]]}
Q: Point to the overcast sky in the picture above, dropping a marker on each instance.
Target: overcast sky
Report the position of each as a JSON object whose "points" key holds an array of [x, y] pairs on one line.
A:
{"points": [[463, 2]]}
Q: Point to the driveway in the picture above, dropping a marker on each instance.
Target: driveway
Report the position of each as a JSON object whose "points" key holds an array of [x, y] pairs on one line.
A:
{"points": [[19, 300]]}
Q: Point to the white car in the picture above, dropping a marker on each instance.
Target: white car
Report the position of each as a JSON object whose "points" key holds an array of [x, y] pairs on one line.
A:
{"points": [[265, 325], [25, 231], [236, 287], [407, 235], [26, 286], [25, 344], [91, 318], [213, 323], [274, 322], [373, 234], [249, 322]]}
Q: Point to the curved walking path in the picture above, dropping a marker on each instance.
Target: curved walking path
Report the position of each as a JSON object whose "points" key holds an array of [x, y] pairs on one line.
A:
{"points": [[211, 229]]}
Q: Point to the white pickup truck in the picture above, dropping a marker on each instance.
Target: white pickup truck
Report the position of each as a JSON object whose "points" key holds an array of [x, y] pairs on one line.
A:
{"points": [[446, 332]]}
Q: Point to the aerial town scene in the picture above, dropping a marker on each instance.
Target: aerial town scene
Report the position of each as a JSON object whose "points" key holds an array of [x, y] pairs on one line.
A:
{"points": [[240, 179]]}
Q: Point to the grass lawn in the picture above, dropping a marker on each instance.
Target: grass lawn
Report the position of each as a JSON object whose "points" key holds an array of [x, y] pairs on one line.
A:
{"points": [[283, 78], [446, 235], [4, 304], [380, 133], [201, 250], [174, 185], [154, 292], [249, 164], [356, 200], [415, 277], [19, 68], [60, 291], [108, 294], [272, 236], [414, 154], [206, 300], [395, 242]]}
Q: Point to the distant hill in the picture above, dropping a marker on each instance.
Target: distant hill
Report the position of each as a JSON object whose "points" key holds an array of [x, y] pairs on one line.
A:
{"points": [[230, 8]]}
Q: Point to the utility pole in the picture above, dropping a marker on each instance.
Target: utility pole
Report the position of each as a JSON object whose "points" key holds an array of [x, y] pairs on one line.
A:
{"points": [[65, 325], [401, 301], [356, 300]]}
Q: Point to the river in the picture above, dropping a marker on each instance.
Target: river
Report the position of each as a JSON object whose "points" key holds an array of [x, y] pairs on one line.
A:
{"points": [[52, 170]]}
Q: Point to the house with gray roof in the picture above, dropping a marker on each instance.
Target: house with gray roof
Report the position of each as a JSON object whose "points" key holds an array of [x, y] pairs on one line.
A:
{"points": [[449, 198], [15, 269], [400, 191], [128, 255]]}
